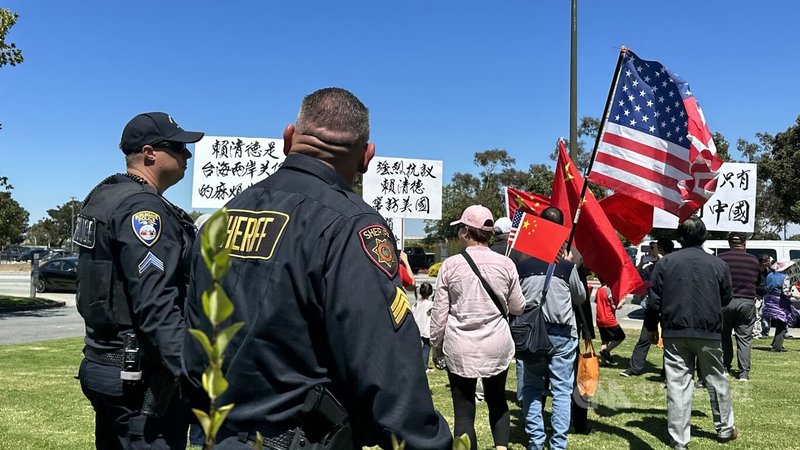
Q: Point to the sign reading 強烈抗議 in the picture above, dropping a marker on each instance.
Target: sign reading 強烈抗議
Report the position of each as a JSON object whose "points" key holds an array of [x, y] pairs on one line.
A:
{"points": [[225, 166], [404, 187], [731, 208]]}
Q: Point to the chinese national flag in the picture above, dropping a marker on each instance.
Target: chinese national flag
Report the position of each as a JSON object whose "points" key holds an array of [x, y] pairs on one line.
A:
{"points": [[632, 218], [540, 238], [532, 203], [595, 238]]}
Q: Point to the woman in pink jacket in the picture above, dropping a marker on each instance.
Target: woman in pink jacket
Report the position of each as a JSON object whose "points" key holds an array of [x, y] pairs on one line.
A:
{"points": [[469, 333]]}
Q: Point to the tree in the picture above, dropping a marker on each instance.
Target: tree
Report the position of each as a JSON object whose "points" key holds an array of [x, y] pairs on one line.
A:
{"points": [[13, 217], [778, 160], [496, 172], [9, 53], [62, 220], [43, 232]]}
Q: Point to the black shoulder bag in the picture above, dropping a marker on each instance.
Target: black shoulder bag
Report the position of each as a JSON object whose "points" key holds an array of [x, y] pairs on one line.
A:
{"points": [[529, 330], [485, 284]]}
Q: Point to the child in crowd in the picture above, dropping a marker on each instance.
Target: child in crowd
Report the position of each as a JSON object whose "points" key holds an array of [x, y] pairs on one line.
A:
{"points": [[611, 334], [422, 315]]}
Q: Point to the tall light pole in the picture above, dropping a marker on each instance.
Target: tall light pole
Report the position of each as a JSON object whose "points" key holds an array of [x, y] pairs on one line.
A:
{"points": [[573, 83], [71, 224]]}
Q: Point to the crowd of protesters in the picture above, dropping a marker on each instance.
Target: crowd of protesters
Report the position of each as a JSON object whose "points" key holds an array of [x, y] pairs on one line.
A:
{"points": [[695, 305]]}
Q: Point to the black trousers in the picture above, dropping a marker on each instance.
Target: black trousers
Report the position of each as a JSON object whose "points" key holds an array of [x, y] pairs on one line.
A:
{"points": [[494, 391], [639, 355], [119, 422]]}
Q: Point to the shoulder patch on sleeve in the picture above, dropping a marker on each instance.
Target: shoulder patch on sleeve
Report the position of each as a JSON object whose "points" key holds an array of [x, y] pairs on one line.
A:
{"points": [[85, 228], [378, 244], [150, 260], [399, 308], [146, 226]]}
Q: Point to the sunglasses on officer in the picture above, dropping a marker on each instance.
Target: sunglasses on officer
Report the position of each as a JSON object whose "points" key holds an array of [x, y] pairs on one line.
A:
{"points": [[177, 147]]}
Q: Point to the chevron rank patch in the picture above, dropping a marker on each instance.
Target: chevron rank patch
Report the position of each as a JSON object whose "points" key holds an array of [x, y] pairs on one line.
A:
{"points": [[147, 227], [150, 260], [399, 308], [377, 243]]}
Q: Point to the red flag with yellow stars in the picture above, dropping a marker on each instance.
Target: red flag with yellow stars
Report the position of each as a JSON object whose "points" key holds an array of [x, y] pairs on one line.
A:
{"points": [[531, 203], [540, 238], [594, 237]]}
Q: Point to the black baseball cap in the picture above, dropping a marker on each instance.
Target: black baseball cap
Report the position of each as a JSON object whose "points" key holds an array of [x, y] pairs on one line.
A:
{"points": [[152, 128]]}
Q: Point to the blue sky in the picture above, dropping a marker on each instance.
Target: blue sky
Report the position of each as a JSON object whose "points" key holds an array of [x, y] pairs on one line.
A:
{"points": [[442, 79]]}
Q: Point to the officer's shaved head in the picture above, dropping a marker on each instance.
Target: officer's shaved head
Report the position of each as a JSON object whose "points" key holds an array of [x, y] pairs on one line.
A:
{"points": [[335, 116], [333, 126]]}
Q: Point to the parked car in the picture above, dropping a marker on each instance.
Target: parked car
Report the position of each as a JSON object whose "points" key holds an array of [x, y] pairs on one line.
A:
{"points": [[12, 252], [418, 259], [59, 274], [29, 254], [54, 253]]}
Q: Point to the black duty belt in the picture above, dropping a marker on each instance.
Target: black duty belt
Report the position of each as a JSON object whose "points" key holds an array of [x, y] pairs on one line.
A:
{"points": [[111, 358], [280, 442]]}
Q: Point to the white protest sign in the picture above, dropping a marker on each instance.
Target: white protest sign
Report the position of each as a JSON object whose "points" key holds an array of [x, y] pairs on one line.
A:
{"points": [[731, 208], [403, 187], [397, 226], [225, 166]]}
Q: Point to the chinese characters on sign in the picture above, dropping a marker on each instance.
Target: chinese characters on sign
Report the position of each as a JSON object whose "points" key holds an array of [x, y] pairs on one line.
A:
{"points": [[731, 208], [225, 166], [408, 188]]}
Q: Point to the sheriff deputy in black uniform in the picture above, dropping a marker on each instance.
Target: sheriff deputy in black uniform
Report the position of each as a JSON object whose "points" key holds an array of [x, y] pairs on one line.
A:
{"points": [[329, 354], [132, 281]]}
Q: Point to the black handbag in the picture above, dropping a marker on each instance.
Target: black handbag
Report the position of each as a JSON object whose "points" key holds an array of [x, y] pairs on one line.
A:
{"points": [[529, 332]]}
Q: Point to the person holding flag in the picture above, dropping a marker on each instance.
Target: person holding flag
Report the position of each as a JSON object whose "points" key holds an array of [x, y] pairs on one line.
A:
{"points": [[556, 286]]}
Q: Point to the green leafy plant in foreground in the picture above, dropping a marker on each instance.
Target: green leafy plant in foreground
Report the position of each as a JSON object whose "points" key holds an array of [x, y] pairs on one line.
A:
{"points": [[217, 307]]}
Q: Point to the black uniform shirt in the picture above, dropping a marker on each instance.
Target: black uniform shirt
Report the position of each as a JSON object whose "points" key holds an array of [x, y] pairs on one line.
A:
{"points": [[314, 277], [149, 243]]}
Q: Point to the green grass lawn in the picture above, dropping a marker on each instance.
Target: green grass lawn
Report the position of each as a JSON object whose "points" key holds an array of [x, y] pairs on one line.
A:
{"points": [[24, 302], [42, 407]]}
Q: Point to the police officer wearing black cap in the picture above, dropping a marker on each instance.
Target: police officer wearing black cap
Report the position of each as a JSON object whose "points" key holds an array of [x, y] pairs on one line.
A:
{"points": [[329, 354], [132, 281]]}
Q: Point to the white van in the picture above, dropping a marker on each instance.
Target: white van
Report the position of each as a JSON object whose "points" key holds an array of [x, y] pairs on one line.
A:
{"points": [[776, 249]]}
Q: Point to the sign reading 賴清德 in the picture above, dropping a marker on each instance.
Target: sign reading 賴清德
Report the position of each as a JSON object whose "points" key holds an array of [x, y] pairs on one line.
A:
{"points": [[731, 208], [225, 166], [404, 187]]}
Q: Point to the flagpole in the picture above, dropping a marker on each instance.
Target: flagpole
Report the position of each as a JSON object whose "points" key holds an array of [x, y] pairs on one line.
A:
{"points": [[597, 141]]}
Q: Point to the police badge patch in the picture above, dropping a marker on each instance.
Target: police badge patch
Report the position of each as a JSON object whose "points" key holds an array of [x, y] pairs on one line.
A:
{"points": [[146, 226], [377, 243]]}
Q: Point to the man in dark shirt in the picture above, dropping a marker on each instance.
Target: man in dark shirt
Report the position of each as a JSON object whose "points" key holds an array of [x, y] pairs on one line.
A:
{"points": [[688, 290], [739, 315], [314, 277]]}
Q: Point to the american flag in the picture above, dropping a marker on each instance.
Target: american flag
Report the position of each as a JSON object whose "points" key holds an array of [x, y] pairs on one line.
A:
{"points": [[656, 146], [515, 220]]}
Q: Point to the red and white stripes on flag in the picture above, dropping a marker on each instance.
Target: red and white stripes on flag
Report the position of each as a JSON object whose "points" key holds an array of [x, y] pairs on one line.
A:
{"points": [[656, 146]]}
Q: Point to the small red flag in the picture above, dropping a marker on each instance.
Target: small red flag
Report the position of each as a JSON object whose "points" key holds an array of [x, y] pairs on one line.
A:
{"points": [[631, 217], [540, 238], [532, 203]]}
